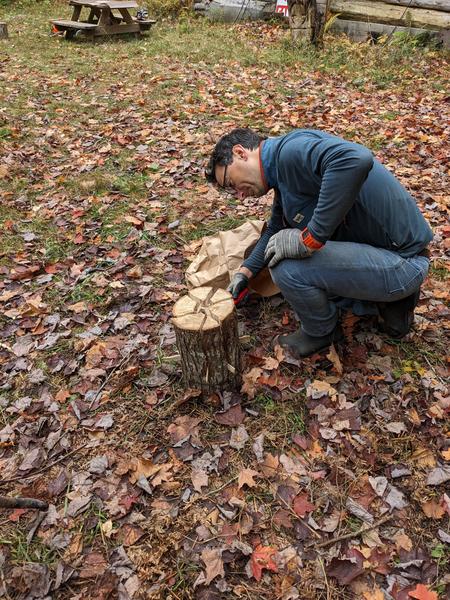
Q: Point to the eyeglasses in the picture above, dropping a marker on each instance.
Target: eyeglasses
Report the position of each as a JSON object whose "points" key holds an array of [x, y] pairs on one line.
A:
{"points": [[226, 187]]}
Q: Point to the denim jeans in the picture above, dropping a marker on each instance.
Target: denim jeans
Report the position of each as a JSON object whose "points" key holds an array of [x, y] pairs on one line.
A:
{"points": [[316, 286]]}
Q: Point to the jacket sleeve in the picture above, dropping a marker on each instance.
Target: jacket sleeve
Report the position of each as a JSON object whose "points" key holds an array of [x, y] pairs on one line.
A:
{"points": [[255, 262], [342, 167]]}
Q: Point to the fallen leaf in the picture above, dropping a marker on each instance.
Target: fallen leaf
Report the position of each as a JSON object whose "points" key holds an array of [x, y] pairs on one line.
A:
{"points": [[301, 506], [433, 509], [262, 558], [94, 564], [422, 592], [333, 357], [375, 594], [238, 437], [439, 475], [402, 541], [246, 478], [250, 380], [199, 479], [233, 416], [129, 534], [214, 564], [346, 569]]}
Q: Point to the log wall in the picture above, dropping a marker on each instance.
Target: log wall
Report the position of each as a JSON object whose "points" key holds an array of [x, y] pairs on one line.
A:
{"points": [[361, 19]]}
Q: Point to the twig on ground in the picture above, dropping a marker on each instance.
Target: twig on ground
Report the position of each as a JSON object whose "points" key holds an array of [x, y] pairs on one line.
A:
{"points": [[327, 585], [41, 470], [108, 379], [353, 534], [39, 518], [6, 502]]}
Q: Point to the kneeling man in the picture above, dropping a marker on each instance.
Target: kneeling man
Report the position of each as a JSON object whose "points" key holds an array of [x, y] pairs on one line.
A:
{"points": [[343, 232]]}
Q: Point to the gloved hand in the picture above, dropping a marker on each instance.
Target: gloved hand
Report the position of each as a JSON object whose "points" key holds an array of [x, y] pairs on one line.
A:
{"points": [[285, 244], [238, 288]]}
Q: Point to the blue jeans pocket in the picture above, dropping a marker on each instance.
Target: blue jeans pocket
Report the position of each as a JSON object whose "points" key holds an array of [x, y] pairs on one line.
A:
{"points": [[406, 277]]}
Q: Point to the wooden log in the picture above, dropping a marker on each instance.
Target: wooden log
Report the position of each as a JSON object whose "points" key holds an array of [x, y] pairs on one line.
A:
{"points": [[433, 4], [3, 30], [361, 32], [205, 324], [380, 12], [443, 5]]}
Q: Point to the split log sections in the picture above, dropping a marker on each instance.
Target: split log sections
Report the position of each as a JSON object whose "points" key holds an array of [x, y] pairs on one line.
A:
{"points": [[206, 330]]}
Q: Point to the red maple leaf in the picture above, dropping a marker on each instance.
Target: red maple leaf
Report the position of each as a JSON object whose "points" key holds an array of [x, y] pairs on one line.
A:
{"points": [[301, 506], [262, 559], [421, 592]]}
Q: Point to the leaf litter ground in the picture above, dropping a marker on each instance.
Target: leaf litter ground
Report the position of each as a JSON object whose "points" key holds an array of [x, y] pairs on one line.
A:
{"points": [[323, 478]]}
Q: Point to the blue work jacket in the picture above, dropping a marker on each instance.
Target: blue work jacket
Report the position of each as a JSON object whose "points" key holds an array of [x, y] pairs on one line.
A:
{"points": [[338, 191]]}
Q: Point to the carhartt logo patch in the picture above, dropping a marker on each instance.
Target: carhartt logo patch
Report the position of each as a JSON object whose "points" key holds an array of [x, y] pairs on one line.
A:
{"points": [[299, 218]]}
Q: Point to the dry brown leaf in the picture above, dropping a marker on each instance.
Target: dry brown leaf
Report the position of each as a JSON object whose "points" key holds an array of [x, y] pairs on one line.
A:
{"points": [[334, 358], [402, 541], [141, 467], [269, 465], [199, 479], [375, 594], [433, 509], [250, 380], [214, 564], [246, 477]]}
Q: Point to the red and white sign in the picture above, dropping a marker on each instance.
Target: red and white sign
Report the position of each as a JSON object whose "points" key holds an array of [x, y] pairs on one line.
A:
{"points": [[282, 7]]}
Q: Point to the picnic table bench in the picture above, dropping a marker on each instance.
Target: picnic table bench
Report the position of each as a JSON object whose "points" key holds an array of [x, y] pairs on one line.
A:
{"points": [[106, 17]]}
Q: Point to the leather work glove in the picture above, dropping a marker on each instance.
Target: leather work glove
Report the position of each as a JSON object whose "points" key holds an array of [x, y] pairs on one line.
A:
{"points": [[285, 244], [238, 288]]}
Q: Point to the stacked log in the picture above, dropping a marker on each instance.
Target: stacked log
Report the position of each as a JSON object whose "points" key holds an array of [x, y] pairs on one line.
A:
{"points": [[361, 19]]}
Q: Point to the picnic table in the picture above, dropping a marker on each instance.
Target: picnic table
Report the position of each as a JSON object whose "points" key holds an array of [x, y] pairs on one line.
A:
{"points": [[106, 17]]}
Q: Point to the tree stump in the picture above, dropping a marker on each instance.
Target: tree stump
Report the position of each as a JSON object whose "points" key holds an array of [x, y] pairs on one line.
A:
{"points": [[3, 30], [206, 330]]}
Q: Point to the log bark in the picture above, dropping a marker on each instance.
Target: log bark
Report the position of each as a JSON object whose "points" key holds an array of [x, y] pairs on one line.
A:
{"points": [[206, 330], [302, 15], [443, 5], [433, 4], [361, 32], [3, 30], [380, 12]]}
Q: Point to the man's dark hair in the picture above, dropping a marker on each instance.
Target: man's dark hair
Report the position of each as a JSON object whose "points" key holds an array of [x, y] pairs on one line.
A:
{"points": [[223, 151]]}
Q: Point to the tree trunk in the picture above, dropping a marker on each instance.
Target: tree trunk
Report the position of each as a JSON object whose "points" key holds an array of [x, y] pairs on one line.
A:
{"points": [[301, 19], [205, 324], [3, 30]]}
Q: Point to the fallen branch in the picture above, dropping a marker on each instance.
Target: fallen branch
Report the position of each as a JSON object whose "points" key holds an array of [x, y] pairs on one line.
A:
{"points": [[42, 469], [6, 502], [353, 534], [125, 359]]}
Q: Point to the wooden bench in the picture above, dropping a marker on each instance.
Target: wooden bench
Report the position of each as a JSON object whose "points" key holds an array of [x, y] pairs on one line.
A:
{"points": [[71, 27]]}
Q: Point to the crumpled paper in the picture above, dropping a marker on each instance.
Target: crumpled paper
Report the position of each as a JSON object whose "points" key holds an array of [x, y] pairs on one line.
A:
{"points": [[222, 254]]}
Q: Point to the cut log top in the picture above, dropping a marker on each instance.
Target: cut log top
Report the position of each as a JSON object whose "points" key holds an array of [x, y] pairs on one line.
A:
{"points": [[202, 309]]}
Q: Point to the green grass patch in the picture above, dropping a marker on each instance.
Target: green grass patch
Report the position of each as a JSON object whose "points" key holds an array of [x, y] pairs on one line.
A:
{"points": [[23, 552], [198, 231]]}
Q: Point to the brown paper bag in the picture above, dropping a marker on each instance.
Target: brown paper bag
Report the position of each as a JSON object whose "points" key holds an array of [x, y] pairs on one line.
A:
{"points": [[222, 254]]}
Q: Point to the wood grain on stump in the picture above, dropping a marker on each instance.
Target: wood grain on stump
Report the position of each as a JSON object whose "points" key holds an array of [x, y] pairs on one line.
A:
{"points": [[205, 324]]}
